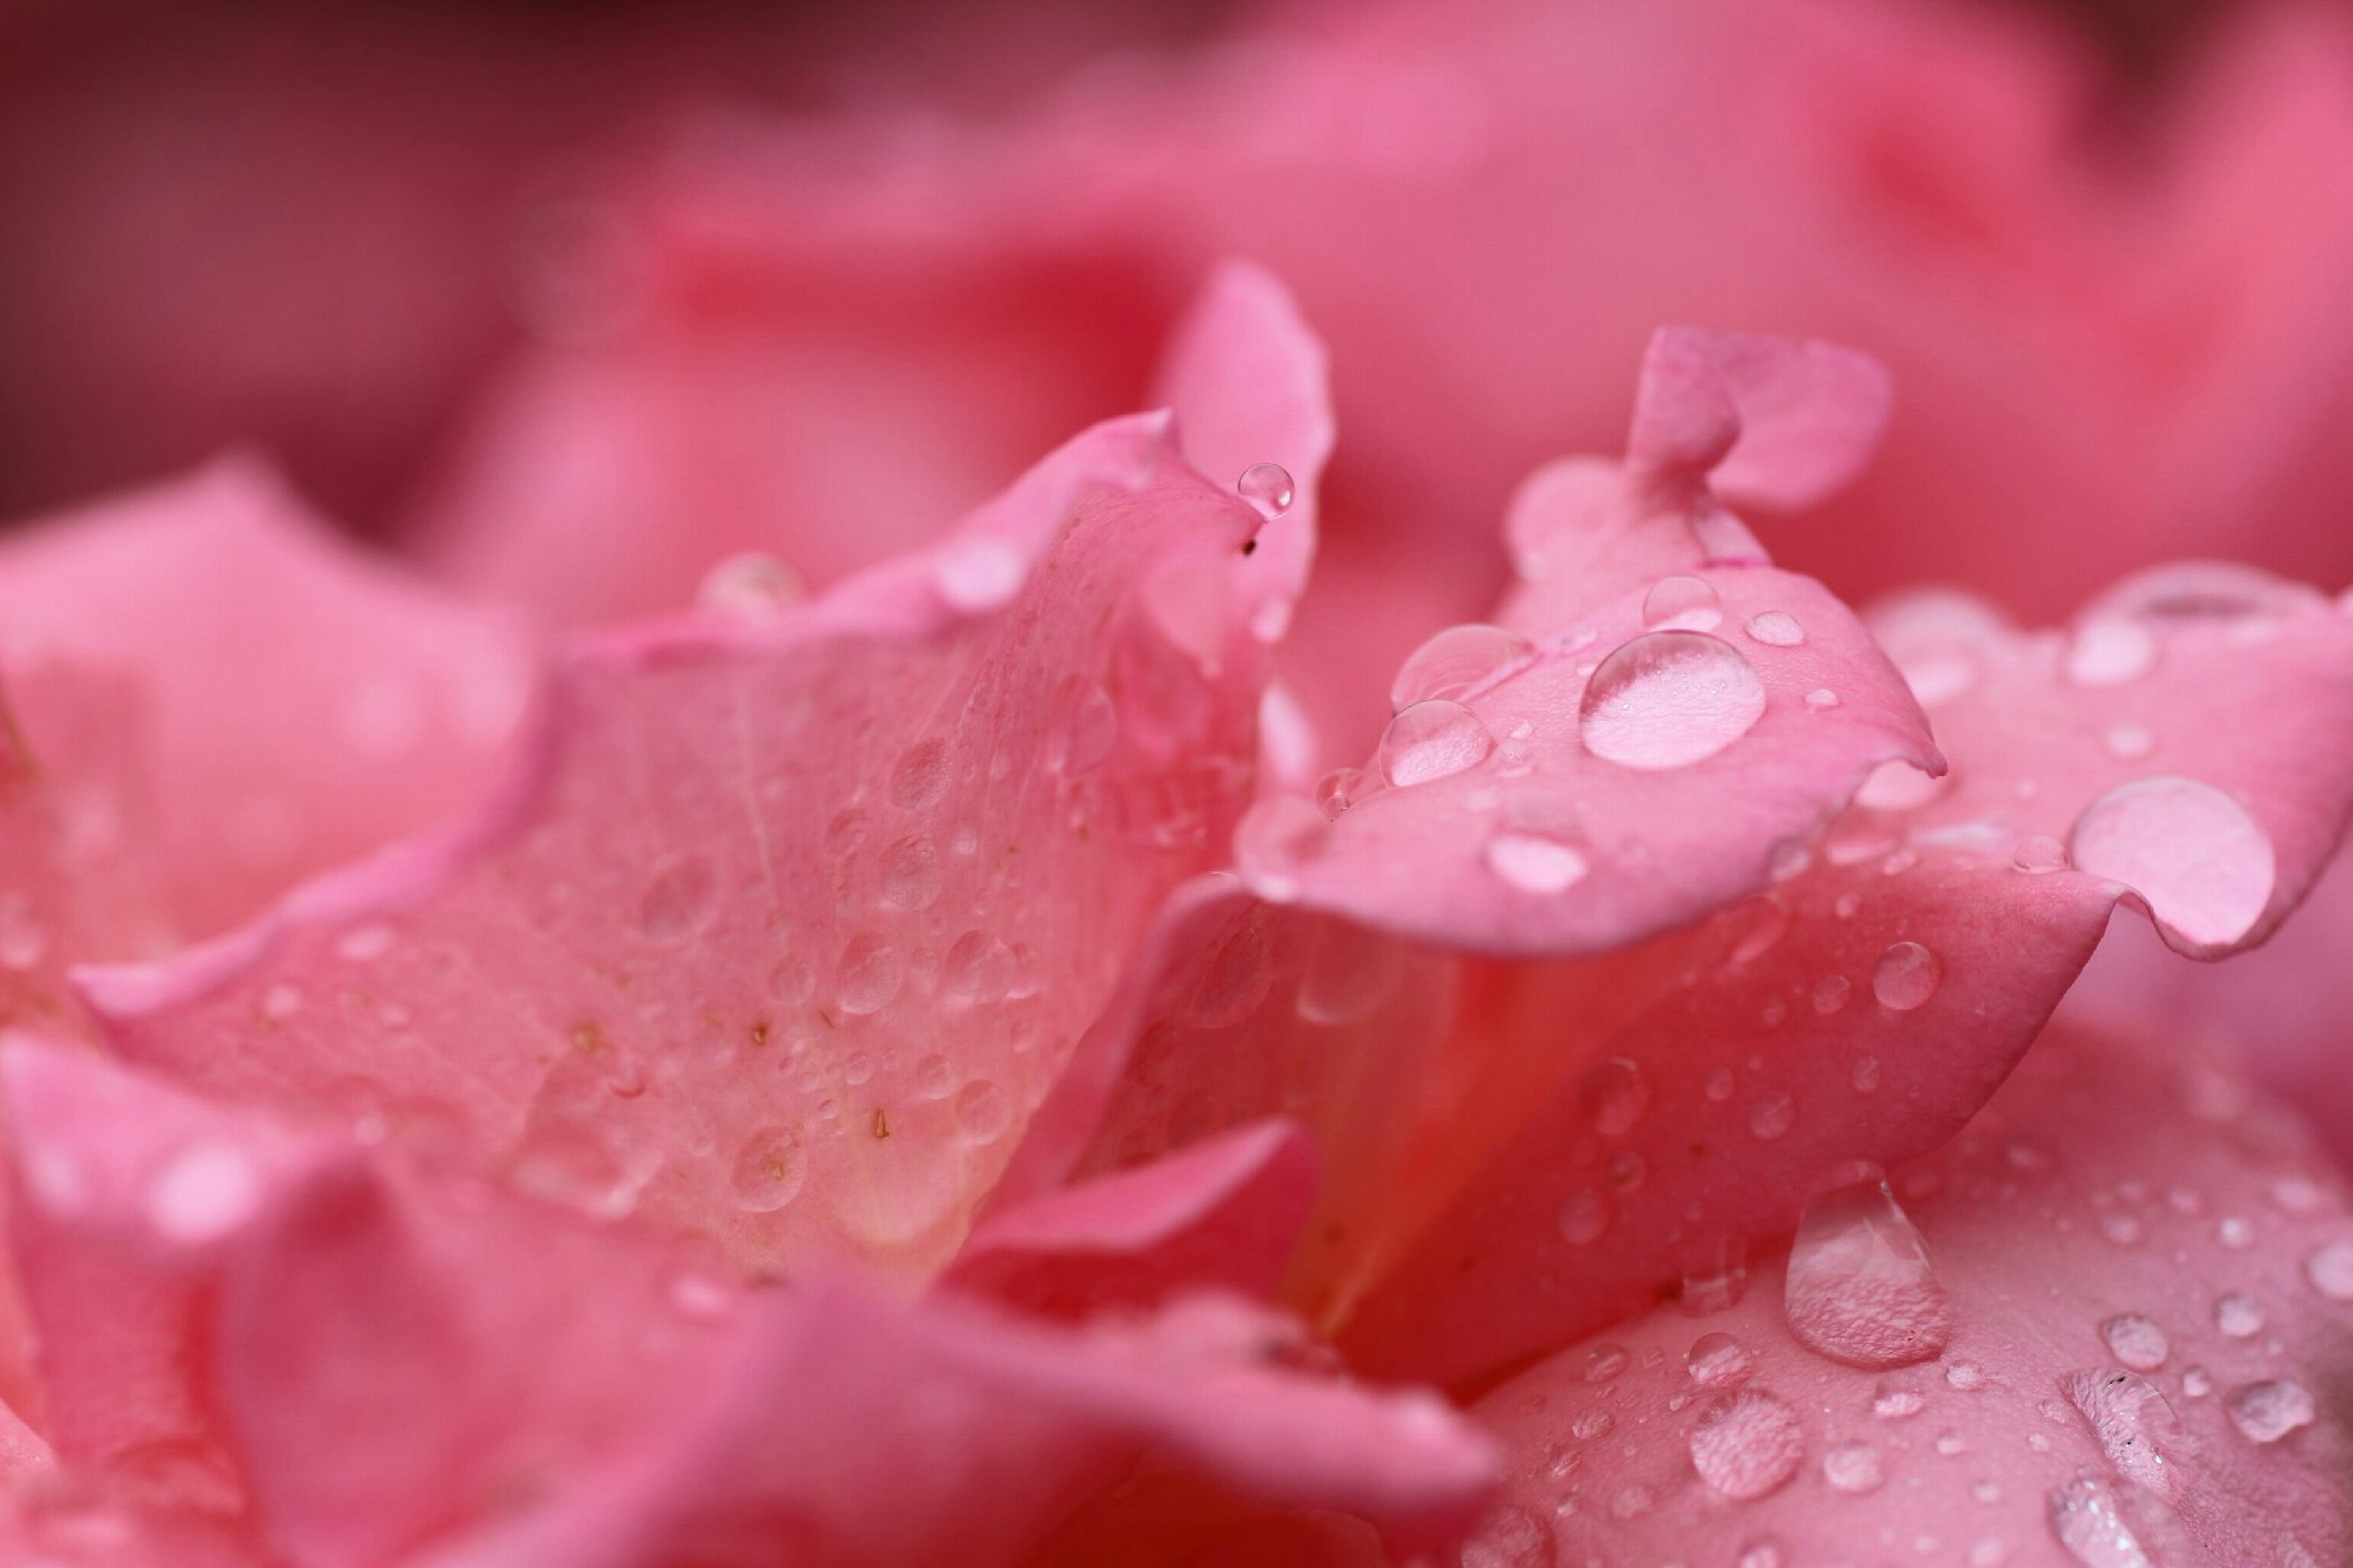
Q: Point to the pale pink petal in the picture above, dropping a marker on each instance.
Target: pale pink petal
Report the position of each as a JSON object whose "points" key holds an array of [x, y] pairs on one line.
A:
{"points": [[2141, 1271], [1225, 1214], [1811, 415], [306, 704], [790, 921]]}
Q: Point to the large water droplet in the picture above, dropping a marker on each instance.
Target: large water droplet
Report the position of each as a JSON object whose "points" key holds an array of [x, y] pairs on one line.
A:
{"points": [[2136, 1341], [2109, 651], [1604, 1362], [1268, 488], [769, 1169], [1861, 1288], [2136, 1428], [2267, 1412], [2088, 1519], [978, 970], [1906, 976], [1534, 863], [2202, 864], [1453, 662], [1681, 604], [1614, 1095], [1432, 740], [1747, 1446], [1669, 698]]}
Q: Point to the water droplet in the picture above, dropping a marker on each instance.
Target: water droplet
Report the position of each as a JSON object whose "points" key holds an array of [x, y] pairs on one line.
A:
{"points": [[1086, 726], [1866, 1075], [1509, 1537], [983, 1111], [1773, 1114], [1432, 740], [1753, 927], [1338, 790], [752, 586], [1853, 1469], [1860, 1287], [2137, 1341], [912, 878], [2136, 1428], [1777, 629], [1763, 1553], [1584, 1217], [1268, 488], [1633, 1501], [2040, 855], [2130, 742], [2109, 651], [1681, 604], [1906, 977], [1592, 1424], [1821, 699], [1747, 1446], [1719, 1360], [769, 1169], [978, 970], [2238, 1317], [2330, 1269], [1831, 993], [920, 776], [1536, 864], [201, 1193], [1720, 1085], [2235, 1232], [1714, 1276], [977, 572], [2121, 1228], [1669, 698], [2197, 1383], [869, 975], [2088, 1519], [2202, 864], [1614, 1095], [1897, 1400], [1604, 1362], [2267, 1412], [1453, 662], [933, 1078]]}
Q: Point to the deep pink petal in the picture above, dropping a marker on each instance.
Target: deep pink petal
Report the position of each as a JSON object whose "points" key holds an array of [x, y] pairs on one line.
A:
{"points": [[304, 703], [2143, 1268], [1224, 1213], [790, 921]]}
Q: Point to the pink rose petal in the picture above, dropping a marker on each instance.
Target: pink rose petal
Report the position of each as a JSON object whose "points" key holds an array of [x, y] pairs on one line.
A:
{"points": [[788, 922], [1767, 421], [367, 706], [2136, 1370]]}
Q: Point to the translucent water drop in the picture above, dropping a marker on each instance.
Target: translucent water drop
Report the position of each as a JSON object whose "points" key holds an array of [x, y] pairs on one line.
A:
{"points": [[2203, 865], [2121, 1228], [1268, 488], [769, 1169], [1763, 1553], [1831, 993], [1453, 662], [2136, 1426], [1509, 1537], [2235, 1232], [1584, 1217], [983, 1111], [1754, 928], [1821, 697], [2128, 742], [2136, 1341], [1338, 790], [1861, 1288], [201, 1193], [1720, 1085], [751, 586], [2088, 1519], [978, 970], [1894, 1400], [1747, 1446], [1086, 726], [1866, 1075], [912, 878], [1536, 864], [1614, 1095], [1773, 1114], [2197, 1383], [1681, 604], [2267, 1412], [2238, 1317], [919, 778], [2040, 855], [1592, 1424], [2330, 1270], [1906, 976], [1432, 740], [2109, 651], [869, 975], [1853, 1469], [935, 1076], [1667, 699], [1604, 1362], [1719, 1360], [1715, 1277], [1777, 629]]}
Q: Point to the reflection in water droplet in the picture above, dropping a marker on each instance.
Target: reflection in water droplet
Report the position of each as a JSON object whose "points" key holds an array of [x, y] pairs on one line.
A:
{"points": [[2267, 1412], [769, 1169], [1614, 1095], [2204, 866], [1831, 993], [1747, 1446], [1268, 488], [2088, 1520], [2136, 1428], [1681, 604], [1536, 864], [1906, 976], [1895, 1399], [1861, 1288], [1453, 662], [1667, 699], [1777, 629], [1718, 1361], [2136, 1341], [1432, 740]]}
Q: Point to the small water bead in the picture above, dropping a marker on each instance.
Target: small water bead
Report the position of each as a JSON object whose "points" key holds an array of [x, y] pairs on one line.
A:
{"points": [[1896, 1399], [2088, 1519], [1633, 1501], [1861, 1288], [1681, 604], [2136, 1341], [2235, 1232], [2128, 742], [912, 878], [1719, 1360], [2109, 651], [919, 778], [1453, 662], [1592, 1424], [1831, 993], [1989, 1553], [1432, 740], [983, 1111], [2136, 1426], [1338, 790], [2121, 1228], [869, 975], [1670, 698], [1777, 629], [1604, 1362], [2238, 1317], [1509, 1537], [2205, 867], [1720, 1085], [1584, 1217], [752, 586], [1865, 1076], [1747, 1446], [1268, 488], [2267, 1412], [1773, 1114], [1536, 864], [769, 1169], [978, 970], [1614, 1095], [1755, 927], [2197, 1383], [2330, 1270], [1853, 1469], [1763, 1553], [2295, 1195], [1906, 976], [1821, 699], [2040, 855]]}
